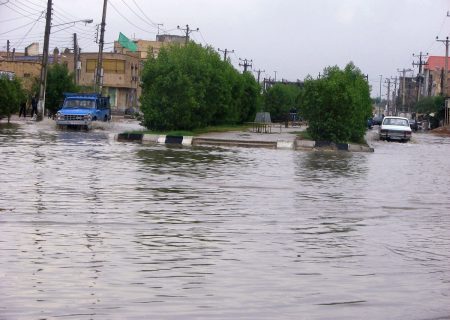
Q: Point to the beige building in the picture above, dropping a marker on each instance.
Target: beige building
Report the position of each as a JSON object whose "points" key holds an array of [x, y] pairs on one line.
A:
{"points": [[27, 71], [121, 68], [121, 76]]}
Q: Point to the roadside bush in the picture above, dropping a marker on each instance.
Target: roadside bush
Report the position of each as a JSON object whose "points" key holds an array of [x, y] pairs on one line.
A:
{"points": [[337, 106], [59, 80], [280, 99], [11, 95], [189, 87], [428, 105]]}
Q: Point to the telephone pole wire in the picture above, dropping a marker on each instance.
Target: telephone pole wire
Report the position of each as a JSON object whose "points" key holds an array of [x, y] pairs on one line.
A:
{"points": [[245, 63], [388, 81], [225, 53], [43, 78], [188, 31], [444, 89], [259, 74], [420, 76], [99, 71]]}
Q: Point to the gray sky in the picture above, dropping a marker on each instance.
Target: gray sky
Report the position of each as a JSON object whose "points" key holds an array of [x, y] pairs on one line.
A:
{"points": [[292, 37]]}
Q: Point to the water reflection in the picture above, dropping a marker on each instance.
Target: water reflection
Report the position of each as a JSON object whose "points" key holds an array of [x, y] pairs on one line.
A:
{"points": [[94, 229]]}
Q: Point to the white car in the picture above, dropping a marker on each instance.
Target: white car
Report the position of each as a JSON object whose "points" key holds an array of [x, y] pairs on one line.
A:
{"points": [[395, 128]]}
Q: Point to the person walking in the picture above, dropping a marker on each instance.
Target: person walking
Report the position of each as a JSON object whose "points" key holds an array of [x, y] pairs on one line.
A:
{"points": [[33, 107], [23, 109]]}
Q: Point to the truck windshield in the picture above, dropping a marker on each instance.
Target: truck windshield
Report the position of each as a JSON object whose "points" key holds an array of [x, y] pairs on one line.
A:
{"points": [[79, 103]]}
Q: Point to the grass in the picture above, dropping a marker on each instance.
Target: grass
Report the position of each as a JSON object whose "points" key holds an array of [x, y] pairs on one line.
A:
{"points": [[197, 132], [304, 135]]}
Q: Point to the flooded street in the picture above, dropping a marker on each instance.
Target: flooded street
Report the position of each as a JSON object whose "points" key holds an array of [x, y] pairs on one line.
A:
{"points": [[91, 228]]}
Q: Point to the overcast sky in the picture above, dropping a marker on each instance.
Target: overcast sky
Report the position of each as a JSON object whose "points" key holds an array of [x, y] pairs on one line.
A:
{"points": [[293, 38]]}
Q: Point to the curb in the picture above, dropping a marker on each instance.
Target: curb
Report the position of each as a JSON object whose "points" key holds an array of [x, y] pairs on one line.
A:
{"points": [[280, 144], [153, 138], [326, 145]]}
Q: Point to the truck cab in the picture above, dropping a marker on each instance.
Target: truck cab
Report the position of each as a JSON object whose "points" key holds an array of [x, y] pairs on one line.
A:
{"points": [[80, 109]]}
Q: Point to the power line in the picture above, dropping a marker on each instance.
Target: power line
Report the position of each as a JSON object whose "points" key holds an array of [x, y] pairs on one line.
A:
{"points": [[131, 9], [42, 13], [20, 8], [20, 27], [17, 18], [134, 25], [246, 64], [143, 13], [187, 31], [225, 53]]}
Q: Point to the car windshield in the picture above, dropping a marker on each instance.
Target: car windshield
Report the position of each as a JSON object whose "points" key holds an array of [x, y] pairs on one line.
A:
{"points": [[396, 122], [79, 103]]}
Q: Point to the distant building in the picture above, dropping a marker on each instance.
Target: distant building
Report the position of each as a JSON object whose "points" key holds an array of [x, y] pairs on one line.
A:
{"points": [[434, 72], [32, 49], [121, 68]]}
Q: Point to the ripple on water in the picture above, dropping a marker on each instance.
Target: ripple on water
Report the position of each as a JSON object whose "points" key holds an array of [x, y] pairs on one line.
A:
{"points": [[94, 229]]}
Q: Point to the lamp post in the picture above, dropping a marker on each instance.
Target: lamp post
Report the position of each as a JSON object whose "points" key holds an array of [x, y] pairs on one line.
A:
{"points": [[43, 78]]}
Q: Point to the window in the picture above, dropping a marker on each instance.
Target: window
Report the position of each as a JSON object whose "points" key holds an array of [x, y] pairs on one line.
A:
{"points": [[109, 66]]}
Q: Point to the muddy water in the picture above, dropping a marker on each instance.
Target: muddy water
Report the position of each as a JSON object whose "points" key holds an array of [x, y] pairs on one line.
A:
{"points": [[95, 229]]}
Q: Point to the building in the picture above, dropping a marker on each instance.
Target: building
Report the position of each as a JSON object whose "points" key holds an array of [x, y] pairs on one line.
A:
{"points": [[121, 68], [434, 71], [121, 76]]}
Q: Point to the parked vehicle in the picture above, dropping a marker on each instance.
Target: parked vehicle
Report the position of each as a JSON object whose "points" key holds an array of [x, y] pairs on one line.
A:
{"points": [[395, 128], [414, 124], [80, 109], [370, 123]]}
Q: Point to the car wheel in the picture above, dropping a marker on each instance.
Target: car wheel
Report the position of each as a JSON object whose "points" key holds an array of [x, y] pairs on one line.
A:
{"points": [[105, 118]]}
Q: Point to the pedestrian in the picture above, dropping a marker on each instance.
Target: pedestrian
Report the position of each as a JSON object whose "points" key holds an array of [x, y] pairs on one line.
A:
{"points": [[33, 107], [23, 109]]}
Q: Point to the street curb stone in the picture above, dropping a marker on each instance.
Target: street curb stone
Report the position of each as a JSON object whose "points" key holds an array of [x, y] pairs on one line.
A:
{"points": [[297, 144]]}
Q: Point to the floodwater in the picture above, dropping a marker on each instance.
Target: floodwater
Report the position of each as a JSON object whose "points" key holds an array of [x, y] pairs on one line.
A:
{"points": [[91, 228]]}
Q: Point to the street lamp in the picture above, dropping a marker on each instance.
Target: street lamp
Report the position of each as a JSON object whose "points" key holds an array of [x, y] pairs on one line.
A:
{"points": [[43, 78]]}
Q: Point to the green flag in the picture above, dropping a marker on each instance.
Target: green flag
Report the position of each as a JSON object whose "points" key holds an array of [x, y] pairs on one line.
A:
{"points": [[127, 43]]}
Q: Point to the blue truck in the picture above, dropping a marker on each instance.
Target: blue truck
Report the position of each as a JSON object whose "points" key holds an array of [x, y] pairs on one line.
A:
{"points": [[80, 109]]}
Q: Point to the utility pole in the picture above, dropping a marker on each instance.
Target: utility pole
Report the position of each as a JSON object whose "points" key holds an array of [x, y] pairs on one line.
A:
{"points": [[394, 96], [259, 73], [99, 70], [188, 31], [379, 104], [159, 24], [7, 49], [420, 76], [388, 81], [43, 78], [75, 58], [246, 63], [275, 72], [225, 52], [444, 89]]}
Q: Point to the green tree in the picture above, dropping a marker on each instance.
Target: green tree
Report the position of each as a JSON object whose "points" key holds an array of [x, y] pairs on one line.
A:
{"points": [[59, 80], [280, 99], [337, 106], [11, 95], [188, 87], [429, 105]]}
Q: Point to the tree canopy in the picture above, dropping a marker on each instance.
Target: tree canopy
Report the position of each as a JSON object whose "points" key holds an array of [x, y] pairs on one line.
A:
{"points": [[429, 105], [338, 105], [188, 87], [11, 96], [280, 99], [59, 80]]}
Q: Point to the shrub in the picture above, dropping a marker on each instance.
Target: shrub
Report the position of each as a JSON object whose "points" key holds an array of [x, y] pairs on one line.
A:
{"points": [[337, 106]]}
